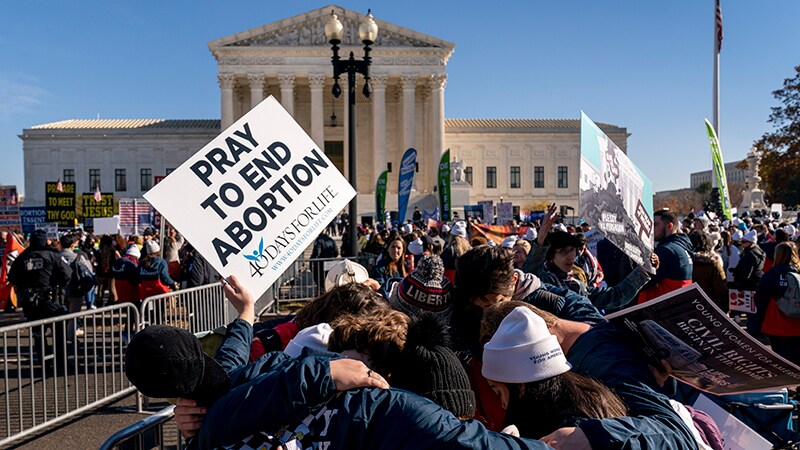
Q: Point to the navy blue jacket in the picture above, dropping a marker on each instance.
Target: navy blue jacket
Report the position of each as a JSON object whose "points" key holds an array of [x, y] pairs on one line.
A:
{"points": [[609, 355], [157, 270], [675, 255], [283, 391]]}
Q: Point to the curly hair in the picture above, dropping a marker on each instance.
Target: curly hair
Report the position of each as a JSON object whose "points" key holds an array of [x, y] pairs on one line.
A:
{"points": [[352, 298], [381, 336]]}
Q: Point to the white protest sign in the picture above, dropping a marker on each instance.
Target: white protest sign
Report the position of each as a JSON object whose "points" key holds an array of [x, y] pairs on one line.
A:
{"points": [[51, 228], [736, 434], [255, 197], [106, 225], [743, 301]]}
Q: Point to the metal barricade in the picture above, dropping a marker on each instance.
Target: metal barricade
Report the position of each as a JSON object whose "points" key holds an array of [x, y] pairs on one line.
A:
{"points": [[196, 309], [156, 431], [55, 369], [304, 280]]}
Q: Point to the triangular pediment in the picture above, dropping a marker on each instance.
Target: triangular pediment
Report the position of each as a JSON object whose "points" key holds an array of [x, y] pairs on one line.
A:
{"points": [[308, 30]]}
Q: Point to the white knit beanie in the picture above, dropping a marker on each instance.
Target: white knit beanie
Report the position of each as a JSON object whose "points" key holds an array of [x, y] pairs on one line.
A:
{"points": [[415, 247], [737, 236], [751, 236], [314, 337], [459, 229], [531, 234], [510, 241], [522, 350]]}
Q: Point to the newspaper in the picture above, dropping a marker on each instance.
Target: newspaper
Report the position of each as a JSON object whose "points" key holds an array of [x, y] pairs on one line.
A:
{"points": [[704, 347]]}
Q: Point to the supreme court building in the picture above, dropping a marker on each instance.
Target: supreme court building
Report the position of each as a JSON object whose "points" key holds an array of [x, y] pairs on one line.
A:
{"points": [[524, 161]]}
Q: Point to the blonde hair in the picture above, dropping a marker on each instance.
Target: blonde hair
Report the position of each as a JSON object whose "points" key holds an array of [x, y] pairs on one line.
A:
{"points": [[786, 253], [524, 244]]}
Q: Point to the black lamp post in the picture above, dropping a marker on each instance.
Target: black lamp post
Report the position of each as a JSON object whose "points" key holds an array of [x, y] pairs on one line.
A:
{"points": [[367, 32]]}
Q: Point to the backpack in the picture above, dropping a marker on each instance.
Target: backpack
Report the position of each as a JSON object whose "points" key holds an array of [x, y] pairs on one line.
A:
{"points": [[789, 303], [82, 280]]}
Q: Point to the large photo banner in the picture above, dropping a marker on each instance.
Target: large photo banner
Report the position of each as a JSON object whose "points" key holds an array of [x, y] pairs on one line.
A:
{"points": [[408, 166], [9, 209], [444, 186], [703, 346], [60, 203], [255, 197], [615, 196]]}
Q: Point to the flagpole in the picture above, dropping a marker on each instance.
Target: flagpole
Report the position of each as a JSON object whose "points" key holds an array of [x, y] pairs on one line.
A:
{"points": [[715, 107]]}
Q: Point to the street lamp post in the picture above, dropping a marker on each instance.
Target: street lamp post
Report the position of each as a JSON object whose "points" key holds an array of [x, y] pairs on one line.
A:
{"points": [[367, 32]]}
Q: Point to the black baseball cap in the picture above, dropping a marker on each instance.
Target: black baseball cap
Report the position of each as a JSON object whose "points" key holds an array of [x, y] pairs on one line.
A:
{"points": [[167, 362]]}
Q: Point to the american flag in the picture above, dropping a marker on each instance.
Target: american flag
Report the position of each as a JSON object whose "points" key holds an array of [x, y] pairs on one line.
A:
{"points": [[134, 215], [718, 26]]}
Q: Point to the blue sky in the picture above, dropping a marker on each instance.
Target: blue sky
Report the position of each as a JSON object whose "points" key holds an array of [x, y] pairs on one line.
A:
{"points": [[643, 65]]}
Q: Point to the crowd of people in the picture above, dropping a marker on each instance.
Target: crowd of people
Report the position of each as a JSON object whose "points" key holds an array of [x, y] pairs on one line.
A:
{"points": [[449, 340], [54, 276]]}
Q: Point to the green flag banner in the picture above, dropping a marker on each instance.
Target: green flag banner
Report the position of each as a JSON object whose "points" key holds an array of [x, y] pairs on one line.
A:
{"points": [[444, 186], [380, 196], [719, 171]]}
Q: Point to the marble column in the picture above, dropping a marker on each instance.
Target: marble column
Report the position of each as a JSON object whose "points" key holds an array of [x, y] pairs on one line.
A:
{"points": [[286, 81], [437, 83], [256, 88], [408, 84], [378, 83], [316, 82], [226, 82]]}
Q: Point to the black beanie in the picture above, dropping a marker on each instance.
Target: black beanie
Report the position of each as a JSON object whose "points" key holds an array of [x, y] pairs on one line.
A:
{"points": [[38, 239], [559, 240], [427, 367], [166, 362]]}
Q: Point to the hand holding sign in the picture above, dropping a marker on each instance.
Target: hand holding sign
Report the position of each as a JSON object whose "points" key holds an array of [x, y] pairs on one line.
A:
{"points": [[255, 197]]}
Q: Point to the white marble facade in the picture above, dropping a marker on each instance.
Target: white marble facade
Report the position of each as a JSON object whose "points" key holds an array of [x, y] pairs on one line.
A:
{"points": [[290, 59]]}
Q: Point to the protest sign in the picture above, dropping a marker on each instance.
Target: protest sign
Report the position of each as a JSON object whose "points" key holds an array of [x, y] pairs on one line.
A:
{"points": [[737, 435], [92, 208], [743, 301], [32, 217], [60, 206], [408, 165], [106, 225], [719, 171], [592, 238], [615, 196], [380, 195], [505, 213], [51, 228], [704, 347], [473, 212], [9, 209], [444, 185], [157, 215], [134, 215], [487, 206], [254, 197]]}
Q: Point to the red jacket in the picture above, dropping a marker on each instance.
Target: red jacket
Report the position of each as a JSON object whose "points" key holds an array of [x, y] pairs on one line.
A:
{"points": [[771, 287]]}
